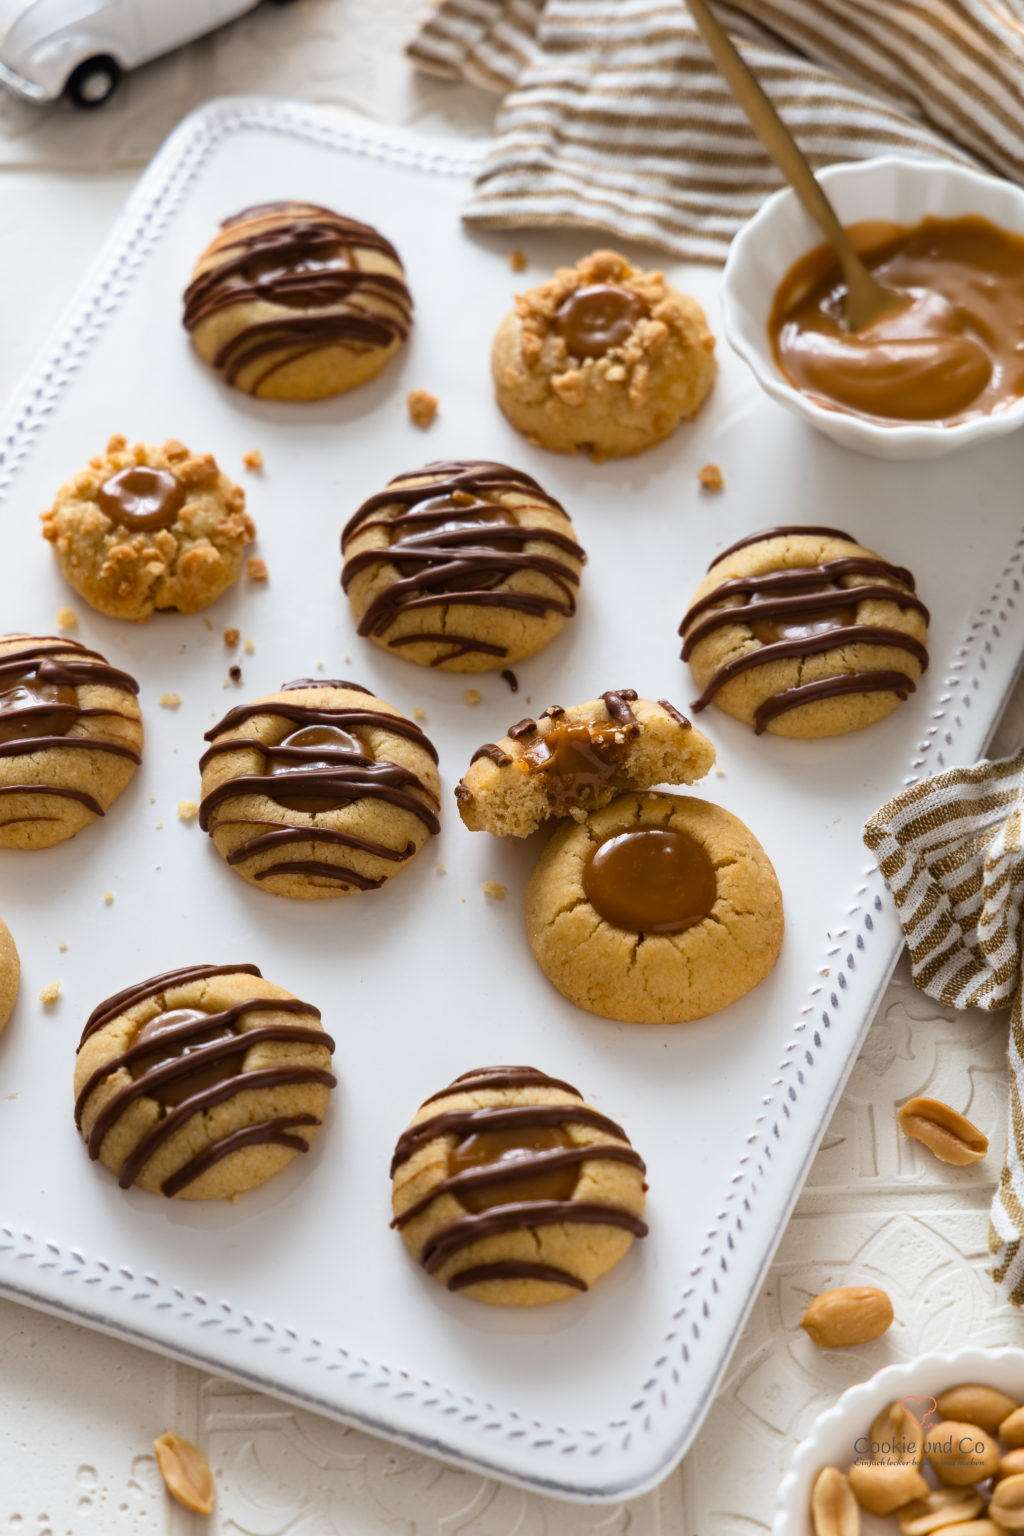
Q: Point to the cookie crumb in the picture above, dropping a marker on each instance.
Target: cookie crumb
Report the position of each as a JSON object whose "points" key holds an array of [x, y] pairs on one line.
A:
{"points": [[255, 568], [250, 646], [62, 947], [159, 826], [231, 637], [422, 407], [67, 618], [517, 261], [50, 993], [235, 674], [188, 810], [320, 664], [495, 890], [439, 869], [253, 459], [719, 771], [711, 477], [473, 697], [152, 799], [108, 897], [208, 623], [170, 700], [419, 714]]}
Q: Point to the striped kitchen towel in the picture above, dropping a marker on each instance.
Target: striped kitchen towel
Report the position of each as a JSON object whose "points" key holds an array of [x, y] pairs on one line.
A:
{"points": [[614, 115], [952, 851]]}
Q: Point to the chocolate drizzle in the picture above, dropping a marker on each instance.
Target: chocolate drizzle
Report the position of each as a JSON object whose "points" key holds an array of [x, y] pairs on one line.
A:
{"points": [[39, 708], [305, 260], [187, 1060], [536, 1159], [323, 766], [806, 611], [451, 540]]}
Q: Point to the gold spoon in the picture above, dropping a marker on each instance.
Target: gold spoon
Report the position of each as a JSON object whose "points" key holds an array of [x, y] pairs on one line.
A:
{"points": [[866, 298]]}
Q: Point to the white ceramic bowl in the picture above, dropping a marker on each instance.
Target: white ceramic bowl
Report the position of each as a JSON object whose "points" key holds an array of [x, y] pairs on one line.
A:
{"points": [[831, 1441], [891, 188]]}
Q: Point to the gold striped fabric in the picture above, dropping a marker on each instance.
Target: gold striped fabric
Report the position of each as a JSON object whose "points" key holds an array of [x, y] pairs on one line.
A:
{"points": [[615, 116], [951, 850]]}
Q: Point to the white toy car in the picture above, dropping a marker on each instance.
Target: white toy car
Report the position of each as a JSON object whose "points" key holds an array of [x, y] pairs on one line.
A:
{"points": [[82, 47]]}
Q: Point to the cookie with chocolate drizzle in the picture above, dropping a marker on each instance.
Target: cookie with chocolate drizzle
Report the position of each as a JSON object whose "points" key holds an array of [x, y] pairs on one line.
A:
{"points": [[70, 738], [803, 632], [149, 529], [654, 910], [318, 790], [202, 1082], [291, 301], [467, 566], [604, 358], [509, 1188], [571, 761], [10, 973]]}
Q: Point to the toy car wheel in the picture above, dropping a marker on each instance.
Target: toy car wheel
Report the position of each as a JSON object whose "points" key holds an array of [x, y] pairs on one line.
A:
{"points": [[93, 82]]}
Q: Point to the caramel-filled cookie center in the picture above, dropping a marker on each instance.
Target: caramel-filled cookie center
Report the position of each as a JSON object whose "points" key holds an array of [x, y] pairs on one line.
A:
{"points": [[173, 1036], [803, 624], [25, 695], [575, 760], [516, 1150], [598, 317], [452, 532], [298, 754], [650, 880], [140, 499]]}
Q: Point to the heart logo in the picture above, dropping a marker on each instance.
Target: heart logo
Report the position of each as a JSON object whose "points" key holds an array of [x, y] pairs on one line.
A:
{"points": [[920, 1409]]}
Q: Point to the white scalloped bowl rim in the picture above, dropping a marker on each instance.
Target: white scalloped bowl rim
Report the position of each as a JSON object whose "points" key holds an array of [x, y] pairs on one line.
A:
{"points": [[1001, 1366], [894, 187]]}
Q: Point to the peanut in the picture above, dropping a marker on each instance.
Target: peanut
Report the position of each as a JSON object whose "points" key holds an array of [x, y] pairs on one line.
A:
{"points": [[1012, 1429], [1012, 1463], [971, 1402], [1006, 1506], [971, 1528], [900, 1435], [834, 1509], [942, 1507], [185, 1471], [961, 1453], [851, 1314], [949, 1135], [881, 1489]]}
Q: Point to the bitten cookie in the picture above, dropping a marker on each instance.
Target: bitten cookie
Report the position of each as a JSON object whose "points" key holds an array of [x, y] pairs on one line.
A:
{"points": [[465, 566], [70, 738], [512, 1190], [603, 358], [571, 761], [147, 529], [318, 790], [293, 302], [656, 909], [202, 1082], [803, 632], [10, 974]]}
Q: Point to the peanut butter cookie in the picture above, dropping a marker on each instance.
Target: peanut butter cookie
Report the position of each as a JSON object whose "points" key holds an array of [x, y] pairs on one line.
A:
{"points": [[804, 632], [202, 1082], [70, 738], [464, 566], [571, 761], [656, 909], [512, 1190], [293, 302], [10, 974], [318, 790], [603, 358], [147, 529]]}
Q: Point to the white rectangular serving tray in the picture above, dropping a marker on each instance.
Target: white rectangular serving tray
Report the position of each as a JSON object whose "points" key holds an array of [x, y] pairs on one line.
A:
{"points": [[300, 1287]]}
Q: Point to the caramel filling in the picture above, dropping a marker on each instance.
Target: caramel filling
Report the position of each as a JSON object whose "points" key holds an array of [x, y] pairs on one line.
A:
{"points": [[515, 1149], [171, 1040], [650, 880], [299, 755], [24, 699], [576, 760], [454, 529], [594, 319], [955, 352], [141, 499], [805, 625]]}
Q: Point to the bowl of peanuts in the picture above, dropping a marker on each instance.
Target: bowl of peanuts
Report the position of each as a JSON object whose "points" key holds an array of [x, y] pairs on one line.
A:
{"points": [[929, 1447]]}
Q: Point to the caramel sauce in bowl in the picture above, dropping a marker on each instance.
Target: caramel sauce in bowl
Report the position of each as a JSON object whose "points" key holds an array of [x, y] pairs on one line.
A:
{"points": [[950, 372]]}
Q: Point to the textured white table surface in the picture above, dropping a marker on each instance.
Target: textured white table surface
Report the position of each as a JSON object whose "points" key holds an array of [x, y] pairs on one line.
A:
{"points": [[78, 1411]]}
